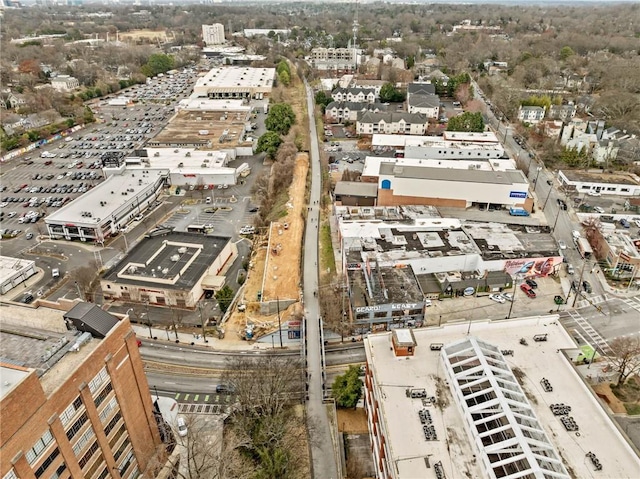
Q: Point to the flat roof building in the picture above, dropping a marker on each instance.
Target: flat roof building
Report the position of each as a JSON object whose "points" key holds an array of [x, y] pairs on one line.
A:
{"points": [[186, 166], [107, 208], [404, 181], [14, 271], [584, 182], [170, 269], [446, 254], [73, 403], [470, 400], [235, 82]]}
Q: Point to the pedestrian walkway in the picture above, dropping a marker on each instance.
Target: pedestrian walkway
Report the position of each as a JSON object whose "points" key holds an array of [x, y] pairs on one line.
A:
{"points": [[212, 342], [573, 320]]}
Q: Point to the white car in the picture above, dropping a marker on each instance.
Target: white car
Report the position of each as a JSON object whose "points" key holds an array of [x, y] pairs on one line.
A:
{"points": [[507, 296], [576, 234], [637, 223], [594, 193], [498, 298], [182, 427], [427, 303], [597, 209], [3, 204], [562, 244]]}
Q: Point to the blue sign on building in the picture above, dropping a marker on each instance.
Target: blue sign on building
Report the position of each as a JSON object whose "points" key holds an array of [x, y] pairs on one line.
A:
{"points": [[518, 194]]}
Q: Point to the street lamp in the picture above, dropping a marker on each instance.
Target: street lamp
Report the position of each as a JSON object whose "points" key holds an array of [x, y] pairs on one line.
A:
{"points": [[535, 181], [513, 297]]}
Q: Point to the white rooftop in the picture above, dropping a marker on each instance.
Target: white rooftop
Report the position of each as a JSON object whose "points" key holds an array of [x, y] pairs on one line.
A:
{"points": [[456, 446], [237, 77], [198, 103], [10, 377], [107, 197], [9, 266], [447, 140], [171, 157]]}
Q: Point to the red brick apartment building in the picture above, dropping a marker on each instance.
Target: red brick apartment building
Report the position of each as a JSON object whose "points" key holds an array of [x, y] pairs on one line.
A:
{"points": [[74, 399]]}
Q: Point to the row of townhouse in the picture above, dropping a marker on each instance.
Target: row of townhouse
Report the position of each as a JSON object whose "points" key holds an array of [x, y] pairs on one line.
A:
{"points": [[403, 123], [340, 111]]}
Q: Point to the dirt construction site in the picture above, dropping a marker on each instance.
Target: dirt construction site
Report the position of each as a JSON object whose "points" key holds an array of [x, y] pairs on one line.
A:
{"points": [[274, 267]]}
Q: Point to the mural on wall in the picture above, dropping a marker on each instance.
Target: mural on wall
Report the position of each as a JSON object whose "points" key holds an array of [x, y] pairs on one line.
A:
{"points": [[528, 267]]}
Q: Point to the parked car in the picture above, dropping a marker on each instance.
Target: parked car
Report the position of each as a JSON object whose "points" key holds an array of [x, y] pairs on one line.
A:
{"points": [[507, 296], [594, 193], [497, 298], [182, 427], [624, 223], [531, 283], [570, 269], [598, 209], [528, 290], [562, 244], [587, 287]]}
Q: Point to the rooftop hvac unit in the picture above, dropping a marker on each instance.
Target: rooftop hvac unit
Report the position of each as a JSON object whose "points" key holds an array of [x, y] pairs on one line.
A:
{"points": [[132, 269], [175, 257], [83, 339], [165, 271], [156, 154], [182, 250], [472, 167]]}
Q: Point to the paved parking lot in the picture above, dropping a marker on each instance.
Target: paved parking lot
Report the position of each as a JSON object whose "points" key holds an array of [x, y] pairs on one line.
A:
{"points": [[481, 307]]}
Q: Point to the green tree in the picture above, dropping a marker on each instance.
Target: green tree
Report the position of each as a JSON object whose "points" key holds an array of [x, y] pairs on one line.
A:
{"points": [[467, 122], [158, 63], [389, 93], [566, 52], [285, 78], [323, 100], [280, 118], [224, 296], [269, 143], [347, 388]]}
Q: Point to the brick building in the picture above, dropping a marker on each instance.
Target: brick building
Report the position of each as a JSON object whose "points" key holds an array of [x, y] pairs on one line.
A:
{"points": [[74, 399]]}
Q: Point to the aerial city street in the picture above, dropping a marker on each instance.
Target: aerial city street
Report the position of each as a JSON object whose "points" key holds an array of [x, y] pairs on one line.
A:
{"points": [[337, 240]]}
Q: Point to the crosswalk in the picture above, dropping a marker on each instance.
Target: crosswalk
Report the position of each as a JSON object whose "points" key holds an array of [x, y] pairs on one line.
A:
{"points": [[572, 319], [592, 301], [633, 302], [185, 408]]}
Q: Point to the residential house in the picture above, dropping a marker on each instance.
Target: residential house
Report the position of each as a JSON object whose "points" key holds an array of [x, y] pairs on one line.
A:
{"points": [[422, 98], [438, 76], [420, 89], [531, 114], [371, 67], [553, 128], [358, 95], [563, 113], [492, 67], [369, 123], [376, 85], [340, 111], [13, 101], [64, 83], [428, 105]]}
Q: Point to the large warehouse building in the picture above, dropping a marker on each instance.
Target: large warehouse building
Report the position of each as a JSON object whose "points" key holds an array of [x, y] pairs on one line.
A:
{"points": [[471, 400], [406, 181], [170, 269], [235, 82], [104, 210]]}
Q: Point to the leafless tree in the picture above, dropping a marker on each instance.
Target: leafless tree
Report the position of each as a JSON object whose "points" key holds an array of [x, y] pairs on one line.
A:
{"points": [[626, 357], [86, 279]]}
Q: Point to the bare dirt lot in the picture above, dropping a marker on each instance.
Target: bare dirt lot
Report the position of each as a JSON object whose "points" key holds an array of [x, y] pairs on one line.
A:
{"points": [[152, 35], [274, 269], [352, 421]]}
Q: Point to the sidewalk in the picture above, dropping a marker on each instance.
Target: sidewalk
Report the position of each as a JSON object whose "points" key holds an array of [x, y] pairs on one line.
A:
{"points": [[191, 339]]}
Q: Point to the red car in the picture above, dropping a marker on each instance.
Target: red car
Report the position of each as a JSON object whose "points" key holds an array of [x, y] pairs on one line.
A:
{"points": [[528, 290]]}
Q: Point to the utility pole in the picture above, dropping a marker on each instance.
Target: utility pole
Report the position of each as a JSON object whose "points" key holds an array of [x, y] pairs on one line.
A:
{"points": [[204, 333], [579, 285], [279, 324], [146, 303], [556, 221], [513, 298]]}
